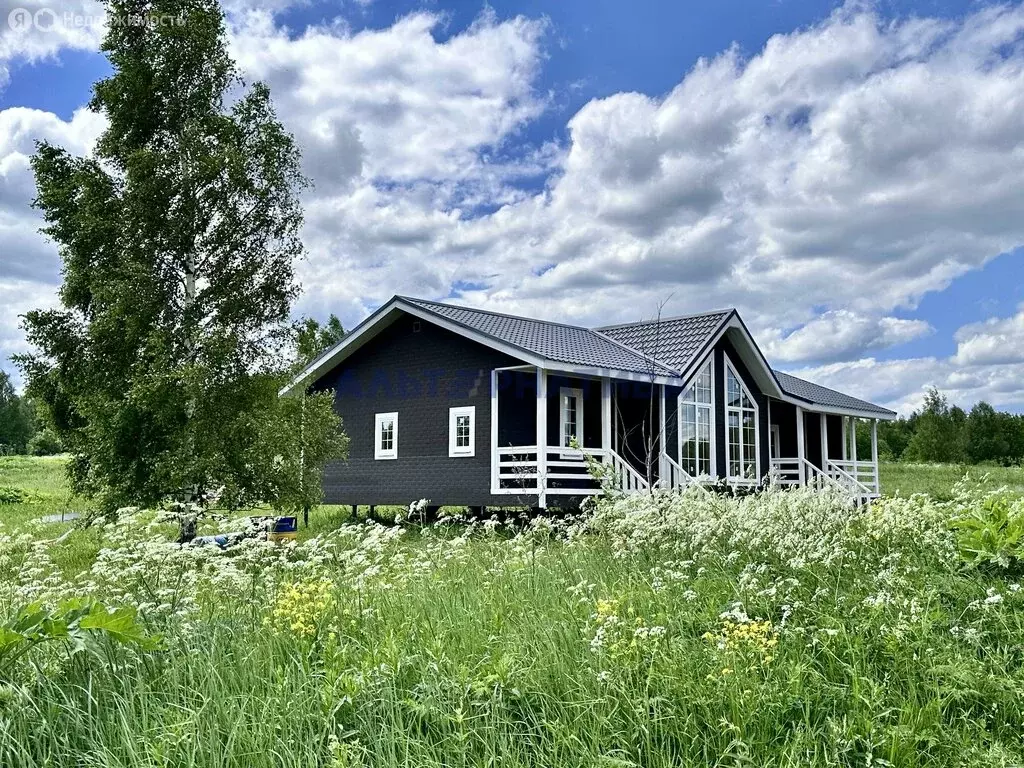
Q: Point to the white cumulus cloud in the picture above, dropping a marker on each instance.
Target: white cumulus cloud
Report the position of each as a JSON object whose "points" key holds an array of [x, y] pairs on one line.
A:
{"points": [[35, 30], [841, 335], [988, 365], [994, 342], [823, 184]]}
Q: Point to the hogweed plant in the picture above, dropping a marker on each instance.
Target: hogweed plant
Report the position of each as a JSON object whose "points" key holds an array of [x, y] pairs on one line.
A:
{"points": [[676, 628]]}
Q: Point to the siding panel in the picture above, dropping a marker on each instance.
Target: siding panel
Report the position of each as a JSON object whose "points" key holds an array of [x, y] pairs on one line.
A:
{"points": [[420, 374]]}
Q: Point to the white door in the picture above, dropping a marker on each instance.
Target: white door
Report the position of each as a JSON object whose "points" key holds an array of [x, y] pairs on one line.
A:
{"points": [[570, 417]]}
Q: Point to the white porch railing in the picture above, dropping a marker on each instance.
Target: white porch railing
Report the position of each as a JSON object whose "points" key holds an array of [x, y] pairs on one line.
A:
{"points": [[795, 471], [566, 472], [671, 474], [786, 472], [863, 473], [629, 479], [801, 472]]}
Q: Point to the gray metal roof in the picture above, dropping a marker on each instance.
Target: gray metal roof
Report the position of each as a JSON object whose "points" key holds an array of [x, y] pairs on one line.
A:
{"points": [[819, 395], [568, 344], [673, 340], [664, 348]]}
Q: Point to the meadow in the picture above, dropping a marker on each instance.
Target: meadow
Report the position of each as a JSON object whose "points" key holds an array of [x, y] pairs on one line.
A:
{"points": [[782, 629], [938, 480]]}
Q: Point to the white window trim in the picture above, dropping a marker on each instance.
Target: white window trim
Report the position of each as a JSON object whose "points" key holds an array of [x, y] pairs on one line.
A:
{"points": [[757, 427], [713, 464], [453, 415], [379, 420], [577, 393]]}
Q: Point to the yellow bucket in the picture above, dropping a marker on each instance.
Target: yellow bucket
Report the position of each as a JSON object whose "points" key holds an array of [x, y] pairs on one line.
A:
{"points": [[288, 536]]}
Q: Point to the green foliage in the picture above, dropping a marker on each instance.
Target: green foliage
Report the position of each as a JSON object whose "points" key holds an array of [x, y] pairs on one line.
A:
{"points": [[894, 437], [946, 434], [938, 481], [938, 436], [311, 338], [79, 626], [178, 238], [10, 495], [994, 436], [45, 442], [17, 418], [304, 435], [992, 533]]}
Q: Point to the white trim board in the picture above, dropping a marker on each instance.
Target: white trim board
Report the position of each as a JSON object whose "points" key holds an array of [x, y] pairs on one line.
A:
{"points": [[576, 394], [379, 420], [709, 359]]}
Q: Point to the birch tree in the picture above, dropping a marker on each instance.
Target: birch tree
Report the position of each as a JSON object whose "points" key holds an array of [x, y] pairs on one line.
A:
{"points": [[178, 237]]}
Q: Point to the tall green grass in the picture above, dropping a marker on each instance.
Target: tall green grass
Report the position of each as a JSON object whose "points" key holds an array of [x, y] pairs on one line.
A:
{"points": [[783, 630], [937, 480], [44, 482]]}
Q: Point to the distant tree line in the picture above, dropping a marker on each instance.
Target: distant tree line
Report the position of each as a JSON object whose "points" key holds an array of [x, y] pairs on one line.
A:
{"points": [[943, 433], [21, 428], [24, 428]]}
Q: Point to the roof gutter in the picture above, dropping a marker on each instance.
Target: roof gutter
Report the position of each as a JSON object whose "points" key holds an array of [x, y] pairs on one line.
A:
{"points": [[836, 410]]}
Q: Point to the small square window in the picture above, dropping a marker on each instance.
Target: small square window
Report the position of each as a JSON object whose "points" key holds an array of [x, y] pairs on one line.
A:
{"points": [[462, 431], [385, 442]]}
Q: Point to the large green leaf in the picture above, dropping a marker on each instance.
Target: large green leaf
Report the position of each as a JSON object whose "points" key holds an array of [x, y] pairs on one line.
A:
{"points": [[80, 625], [9, 640], [119, 624]]}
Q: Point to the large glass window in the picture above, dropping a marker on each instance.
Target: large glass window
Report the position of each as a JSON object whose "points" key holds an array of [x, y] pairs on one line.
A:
{"points": [[696, 423], [741, 420]]}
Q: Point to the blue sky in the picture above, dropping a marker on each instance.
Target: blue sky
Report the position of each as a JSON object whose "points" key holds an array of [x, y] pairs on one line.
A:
{"points": [[848, 176]]}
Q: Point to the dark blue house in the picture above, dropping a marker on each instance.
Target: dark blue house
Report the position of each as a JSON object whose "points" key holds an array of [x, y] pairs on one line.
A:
{"points": [[467, 407]]}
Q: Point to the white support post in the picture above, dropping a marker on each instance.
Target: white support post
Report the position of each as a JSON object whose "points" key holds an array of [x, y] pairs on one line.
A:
{"points": [[800, 452], [606, 414], [846, 442], [824, 442], [661, 434], [542, 437], [495, 482], [874, 451], [853, 444]]}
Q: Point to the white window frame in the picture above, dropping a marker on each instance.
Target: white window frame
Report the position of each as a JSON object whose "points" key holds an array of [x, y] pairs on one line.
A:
{"points": [[563, 393], [730, 368], [454, 413], [379, 420], [680, 402]]}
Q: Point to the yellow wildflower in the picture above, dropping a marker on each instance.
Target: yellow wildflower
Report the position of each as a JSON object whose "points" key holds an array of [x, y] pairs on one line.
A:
{"points": [[301, 607]]}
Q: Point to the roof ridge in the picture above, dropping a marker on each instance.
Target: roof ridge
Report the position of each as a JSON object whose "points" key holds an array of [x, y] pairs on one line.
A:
{"points": [[496, 314], [636, 351], [665, 319]]}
